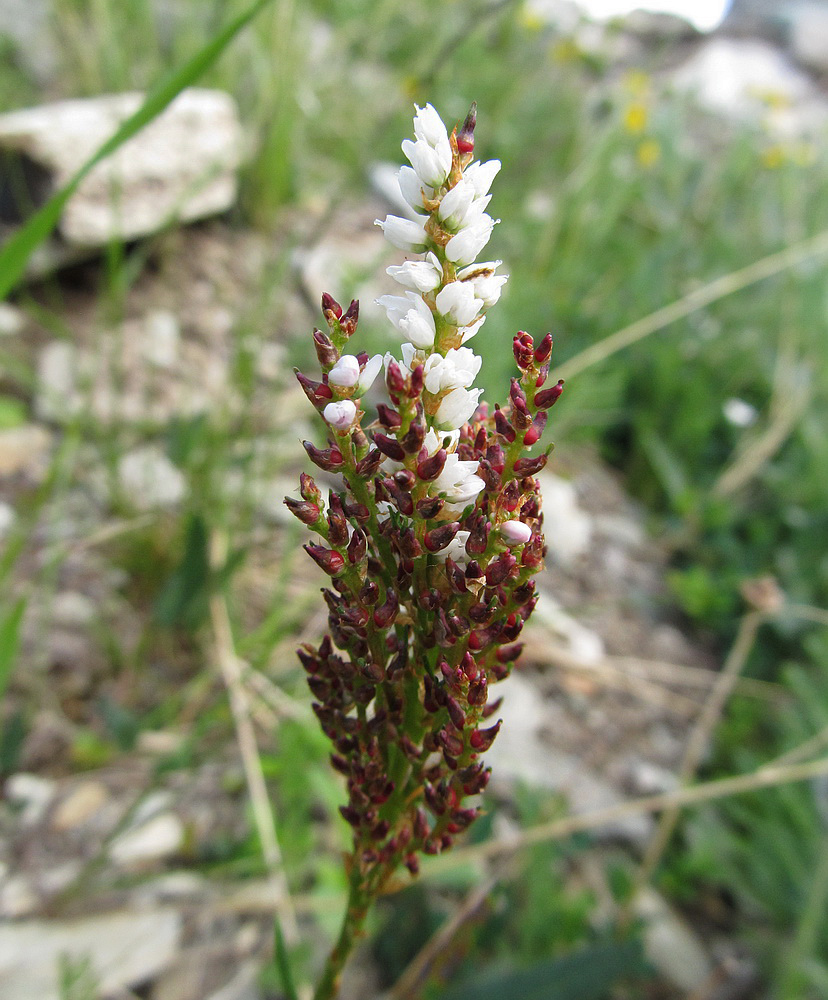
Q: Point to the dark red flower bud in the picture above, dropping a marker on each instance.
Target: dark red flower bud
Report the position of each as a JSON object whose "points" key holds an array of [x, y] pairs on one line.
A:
{"points": [[456, 714], [536, 430], [452, 675], [430, 507], [453, 745], [482, 739], [369, 593], [456, 577], [386, 613], [412, 864], [390, 447], [530, 466], [348, 322], [469, 666], [325, 350], [420, 824], [524, 350], [438, 538], [506, 654], [329, 459], [387, 417], [330, 305], [490, 710], [332, 562], [317, 392], [431, 467], [402, 498], [502, 425], [518, 396], [490, 477], [358, 511], [380, 831], [462, 819], [484, 637], [412, 440], [350, 815], [308, 513], [434, 800], [405, 479], [481, 440], [548, 397], [416, 384], [478, 691], [544, 350], [465, 137], [510, 497], [477, 781], [340, 764], [309, 490], [473, 570], [337, 522], [499, 569], [495, 457], [478, 538], [408, 545], [308, 659], [394, 379], [459, 626], [367, 467], [357, 547]]}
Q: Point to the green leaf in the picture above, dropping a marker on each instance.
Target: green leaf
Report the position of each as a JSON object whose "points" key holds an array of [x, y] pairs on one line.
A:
{"points": [[15, 254], [10, 627], [183, 598], [282, 964], [588, 974]]}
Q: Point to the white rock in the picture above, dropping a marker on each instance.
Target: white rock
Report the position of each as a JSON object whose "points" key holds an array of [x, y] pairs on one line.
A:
{"points": [[154, 840], [123, 949], [752, 81], [17, 899], [79, 806], [161, 338], [11, 320], [181, 166], [149, 479], [7, 519], [581, 641], [71, 609], [33, 793], [808, 36], [57, 396], [24, 449], [671, 945], [568, 528]]}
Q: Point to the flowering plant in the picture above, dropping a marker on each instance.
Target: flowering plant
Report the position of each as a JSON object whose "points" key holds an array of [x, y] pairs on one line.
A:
{"points": [[433, 540]]}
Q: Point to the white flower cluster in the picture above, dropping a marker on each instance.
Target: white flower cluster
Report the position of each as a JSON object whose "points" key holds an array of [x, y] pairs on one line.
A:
{"points": [[447, 293]]}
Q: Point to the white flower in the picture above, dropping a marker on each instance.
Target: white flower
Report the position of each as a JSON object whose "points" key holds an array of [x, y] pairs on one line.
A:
{"points": [[345, 372], [456, 548], [412, 316], [457, 302], [418, 275], [368, 374], [457, 407], [458, 368], [340, 415], [429, 127], [412, 188], [481, 175], [515, 532], [739, 413], [431, 165], [455, 204], [459, 482], [467, 244], [487, 285], [469, 331], [404, 233], [445, 439]]}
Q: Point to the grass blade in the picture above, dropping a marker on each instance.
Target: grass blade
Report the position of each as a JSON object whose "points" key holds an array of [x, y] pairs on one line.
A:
{"points": [[15, 254], [10, 642]]}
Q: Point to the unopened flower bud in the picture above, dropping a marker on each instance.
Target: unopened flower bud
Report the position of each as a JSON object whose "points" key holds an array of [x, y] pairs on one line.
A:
{"points": [[387, 417], [498, 570], [534, 433], [325, 350], [431, 467], [515, 532], [482, 739], [412, 440], [367, 467], [386, 613], [340, 415], [465, 137], [317, 392], [390, 447], [328, 460], [438, 538], [331, 561], [503, 427], [530, 466], [544, 350], [308, 513], [357, 547], [524, 351], [456, 713], [348, 322], [330, 305], [548, 397], [430, 507], [450, 743]]}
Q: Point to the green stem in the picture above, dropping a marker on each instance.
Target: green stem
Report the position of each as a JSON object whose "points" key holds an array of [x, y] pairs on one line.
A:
{"points": [[355, 913]]}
